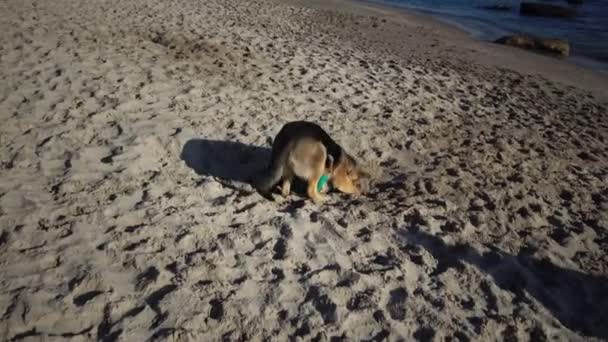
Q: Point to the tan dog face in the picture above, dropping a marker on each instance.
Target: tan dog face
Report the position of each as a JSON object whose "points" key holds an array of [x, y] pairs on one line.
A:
{"points": [[347, 177]]}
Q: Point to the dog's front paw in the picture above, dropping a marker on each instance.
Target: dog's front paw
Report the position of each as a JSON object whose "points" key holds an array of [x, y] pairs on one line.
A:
{"points": [[318, 200]]}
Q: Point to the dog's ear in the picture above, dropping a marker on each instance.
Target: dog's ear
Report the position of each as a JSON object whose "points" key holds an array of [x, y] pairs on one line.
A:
{"points": [[329, 163], [351, 166]]}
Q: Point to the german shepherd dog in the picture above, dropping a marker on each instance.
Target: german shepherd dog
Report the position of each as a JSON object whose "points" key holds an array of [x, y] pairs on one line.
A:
{"points": [[303, 149]]}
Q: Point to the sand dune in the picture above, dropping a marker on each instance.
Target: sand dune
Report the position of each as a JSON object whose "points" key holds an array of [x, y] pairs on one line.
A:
{"points": [[129, 130]]}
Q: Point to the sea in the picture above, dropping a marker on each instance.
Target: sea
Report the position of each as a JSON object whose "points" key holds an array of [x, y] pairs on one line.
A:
{"points": [[587, 32]]}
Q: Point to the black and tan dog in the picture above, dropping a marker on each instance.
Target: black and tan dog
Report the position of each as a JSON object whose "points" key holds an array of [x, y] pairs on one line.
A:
{"points": [[303, 149]]}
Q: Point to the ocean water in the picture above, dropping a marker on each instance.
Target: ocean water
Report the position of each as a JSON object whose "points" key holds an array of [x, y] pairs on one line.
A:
{"points": [[587, 33]]}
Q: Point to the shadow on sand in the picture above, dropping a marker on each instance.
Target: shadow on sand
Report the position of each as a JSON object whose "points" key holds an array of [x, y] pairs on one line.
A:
{"points": [[231, 162], [228, 160], [578, 300]]}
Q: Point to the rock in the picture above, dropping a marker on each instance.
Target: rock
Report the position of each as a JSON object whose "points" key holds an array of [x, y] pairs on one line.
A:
{"points": [[546, 10], [556, 46], [525, 42], [498, 7], [553, 46]]}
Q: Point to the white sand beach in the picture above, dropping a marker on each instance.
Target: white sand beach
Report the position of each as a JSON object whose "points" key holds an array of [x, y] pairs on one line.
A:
{"points": [[129, 129]]}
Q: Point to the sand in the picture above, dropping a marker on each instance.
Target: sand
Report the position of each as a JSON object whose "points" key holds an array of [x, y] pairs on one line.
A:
{"points": [[129, 129]]}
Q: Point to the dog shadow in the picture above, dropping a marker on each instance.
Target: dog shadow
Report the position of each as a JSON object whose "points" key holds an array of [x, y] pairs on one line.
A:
{"points": [[233, 161], [578, 300], [228, 160]]}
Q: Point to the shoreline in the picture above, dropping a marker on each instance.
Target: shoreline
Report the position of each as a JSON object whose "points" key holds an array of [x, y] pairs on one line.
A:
{"points": [[484, 36], [578, 60], [470, 49]]}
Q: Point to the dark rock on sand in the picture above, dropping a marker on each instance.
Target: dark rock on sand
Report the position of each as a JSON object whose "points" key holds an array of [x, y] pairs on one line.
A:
{"points": [[557, 46], [546, 10], [548, 45]]}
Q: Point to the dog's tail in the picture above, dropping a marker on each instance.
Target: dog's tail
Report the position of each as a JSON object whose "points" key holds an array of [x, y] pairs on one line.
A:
{"points": [[266, 180]]}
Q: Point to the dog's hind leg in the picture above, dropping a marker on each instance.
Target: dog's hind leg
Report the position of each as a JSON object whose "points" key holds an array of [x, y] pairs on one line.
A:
{"points": [[286, 186]]}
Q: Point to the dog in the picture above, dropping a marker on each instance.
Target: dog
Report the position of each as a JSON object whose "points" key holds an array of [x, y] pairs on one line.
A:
{"points": [[303, 149]]}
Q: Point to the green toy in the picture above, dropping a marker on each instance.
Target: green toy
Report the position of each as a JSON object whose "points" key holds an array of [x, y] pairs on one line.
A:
{"points": [[321, 183]]}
